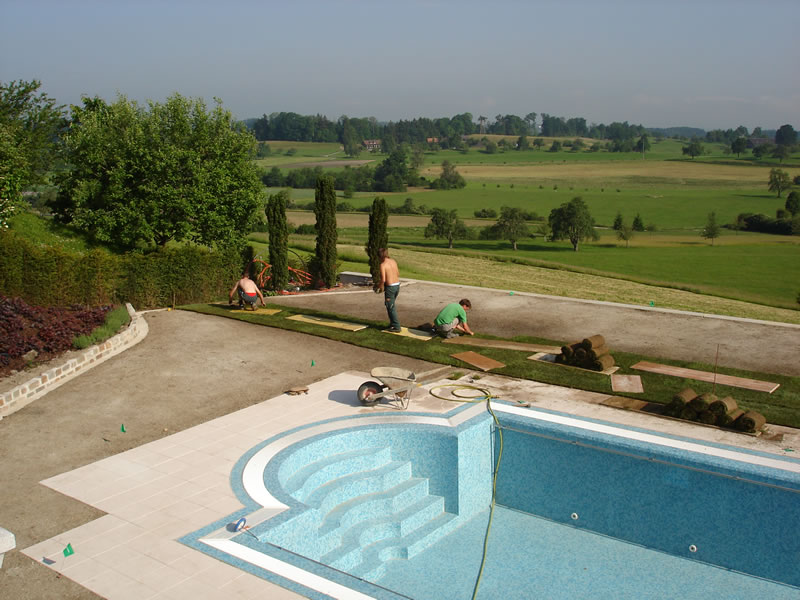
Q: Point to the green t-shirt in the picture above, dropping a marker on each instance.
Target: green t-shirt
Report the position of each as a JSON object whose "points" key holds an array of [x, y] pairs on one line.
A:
{"points": [[450, 312]]}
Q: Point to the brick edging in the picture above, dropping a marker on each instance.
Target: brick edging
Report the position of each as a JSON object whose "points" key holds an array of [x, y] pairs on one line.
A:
{"points": [[37, 387]]}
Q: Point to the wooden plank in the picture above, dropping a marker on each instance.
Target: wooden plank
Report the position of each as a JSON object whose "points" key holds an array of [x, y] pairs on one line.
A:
{"points": [[505, 344], [740, 382], [328, 322], [627, 383], [484, 363]]}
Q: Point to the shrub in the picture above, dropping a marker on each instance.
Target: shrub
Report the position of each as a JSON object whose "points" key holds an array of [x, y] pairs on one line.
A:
{"points": [[306, 229]]}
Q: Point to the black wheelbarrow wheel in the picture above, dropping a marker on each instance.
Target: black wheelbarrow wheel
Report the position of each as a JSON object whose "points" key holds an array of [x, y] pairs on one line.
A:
{"points": [[368, 389]]}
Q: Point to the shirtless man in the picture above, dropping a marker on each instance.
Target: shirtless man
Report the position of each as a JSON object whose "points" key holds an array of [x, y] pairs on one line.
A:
{"points": [[248, 292], [390, 286]]}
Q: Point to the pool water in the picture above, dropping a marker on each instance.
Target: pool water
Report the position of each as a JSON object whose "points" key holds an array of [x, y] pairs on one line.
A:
{"points": [[396, 506]]}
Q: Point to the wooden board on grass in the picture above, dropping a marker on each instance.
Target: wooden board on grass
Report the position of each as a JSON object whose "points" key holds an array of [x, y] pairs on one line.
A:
{"points": [[484, 363], [627, 383], [328, 322], [417, 334], [731, 380], [505, 344]]}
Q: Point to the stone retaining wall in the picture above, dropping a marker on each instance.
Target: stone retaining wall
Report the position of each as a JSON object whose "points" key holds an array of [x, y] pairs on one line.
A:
{"points": [[37, 387]]}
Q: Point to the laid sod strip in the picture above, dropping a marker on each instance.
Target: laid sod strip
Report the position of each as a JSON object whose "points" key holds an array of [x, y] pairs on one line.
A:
{"points": [[484, 363], [328, 322], [627, 383], [259, 309], [739, 382], [507, 344], [416, 334], [782, 407]]}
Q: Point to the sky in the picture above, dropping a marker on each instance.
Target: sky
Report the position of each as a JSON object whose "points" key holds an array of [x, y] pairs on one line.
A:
{"points": [[711, 64]]}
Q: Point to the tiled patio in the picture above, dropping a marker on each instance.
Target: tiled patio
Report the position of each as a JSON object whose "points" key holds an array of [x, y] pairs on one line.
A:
{"points": [[158, 492]]}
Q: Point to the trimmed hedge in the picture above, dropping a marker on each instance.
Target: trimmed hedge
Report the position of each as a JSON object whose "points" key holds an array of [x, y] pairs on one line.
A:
{"points": [[50, 276]]}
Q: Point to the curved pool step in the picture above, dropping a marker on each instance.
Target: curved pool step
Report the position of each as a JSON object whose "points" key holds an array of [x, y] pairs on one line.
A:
{"points": [[397, 525], [315, 474], [373, 564], [376, 504], [337, 491]]}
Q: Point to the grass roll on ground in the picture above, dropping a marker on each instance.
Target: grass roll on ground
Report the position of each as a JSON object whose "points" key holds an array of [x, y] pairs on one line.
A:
{"points": [[595, 353], [602, 363], [750, 422], [707, 417], [593, 342], [702, 402], [728, 419], [723, 406]]}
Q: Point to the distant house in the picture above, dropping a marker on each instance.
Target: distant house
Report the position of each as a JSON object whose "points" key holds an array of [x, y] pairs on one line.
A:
{"points": [[755, 142], [372, 145], [433, 140]]}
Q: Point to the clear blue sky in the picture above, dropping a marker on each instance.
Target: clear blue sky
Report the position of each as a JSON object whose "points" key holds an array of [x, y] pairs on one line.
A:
{"points": [[700, 63]]}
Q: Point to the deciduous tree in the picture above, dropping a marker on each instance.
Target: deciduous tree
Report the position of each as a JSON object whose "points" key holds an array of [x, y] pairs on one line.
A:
{"points": [[572, 221], [786, 136], [511, 224], [450, 179], [778, 181], [625, 233], [30, 122], [739, 145], [445, 224], [172, 171], [695, 148], [711, 231], [793, 203]]}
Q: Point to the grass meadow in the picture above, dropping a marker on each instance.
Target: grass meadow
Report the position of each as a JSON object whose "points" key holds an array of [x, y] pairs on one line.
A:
{"points": [[671, 193]]}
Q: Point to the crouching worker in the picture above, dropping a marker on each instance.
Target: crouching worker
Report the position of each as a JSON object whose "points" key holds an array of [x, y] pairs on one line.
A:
{"points": [[249, 293], [452, 320]]}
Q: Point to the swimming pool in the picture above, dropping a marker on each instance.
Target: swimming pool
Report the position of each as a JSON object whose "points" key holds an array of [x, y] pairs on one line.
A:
{"points": [[393, 506]]}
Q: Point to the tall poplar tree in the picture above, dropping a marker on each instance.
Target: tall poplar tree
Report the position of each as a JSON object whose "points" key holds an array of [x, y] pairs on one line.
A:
{"points": [[323, 266], [278, 240], [378, 238]]}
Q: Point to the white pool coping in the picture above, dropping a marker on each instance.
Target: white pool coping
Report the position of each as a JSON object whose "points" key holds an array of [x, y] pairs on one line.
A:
{"points": [[155, 494]]}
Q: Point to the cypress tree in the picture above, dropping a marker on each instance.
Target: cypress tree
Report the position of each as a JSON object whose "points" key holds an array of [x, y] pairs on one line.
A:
{"points": [[278, 240], [378, 238], [324, 263]]}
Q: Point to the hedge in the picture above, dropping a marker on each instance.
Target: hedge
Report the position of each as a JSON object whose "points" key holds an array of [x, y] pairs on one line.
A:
{"points": [[50, 276]]}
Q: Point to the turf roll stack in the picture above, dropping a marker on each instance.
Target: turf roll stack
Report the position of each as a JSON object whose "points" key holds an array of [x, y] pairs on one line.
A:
{"points": [[708, 409], [590, 353]]}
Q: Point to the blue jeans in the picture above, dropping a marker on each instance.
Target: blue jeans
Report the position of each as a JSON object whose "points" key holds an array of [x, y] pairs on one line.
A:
{"points": [[390, 297]]}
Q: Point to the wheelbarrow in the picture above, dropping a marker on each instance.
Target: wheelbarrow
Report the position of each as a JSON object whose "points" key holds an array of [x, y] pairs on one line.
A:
{"points": [[395, 384]]}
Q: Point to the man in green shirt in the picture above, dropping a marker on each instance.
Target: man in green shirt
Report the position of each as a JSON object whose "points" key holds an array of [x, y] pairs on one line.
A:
{"points": [[452, 319]]}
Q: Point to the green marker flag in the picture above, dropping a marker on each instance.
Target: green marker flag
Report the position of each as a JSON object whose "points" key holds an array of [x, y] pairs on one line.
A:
{"points": [[68, 550], [122, 428], [312, 362]]}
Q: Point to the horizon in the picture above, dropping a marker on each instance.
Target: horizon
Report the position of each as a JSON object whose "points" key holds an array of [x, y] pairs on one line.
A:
{"points": [[708, 64]]}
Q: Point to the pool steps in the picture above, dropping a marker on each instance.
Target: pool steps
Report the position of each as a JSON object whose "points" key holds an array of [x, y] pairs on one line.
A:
{"points": [[363, 509]]}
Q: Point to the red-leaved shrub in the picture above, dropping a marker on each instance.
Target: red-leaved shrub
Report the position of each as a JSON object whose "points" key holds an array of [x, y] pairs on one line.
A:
{"points": [[49, 331]]}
